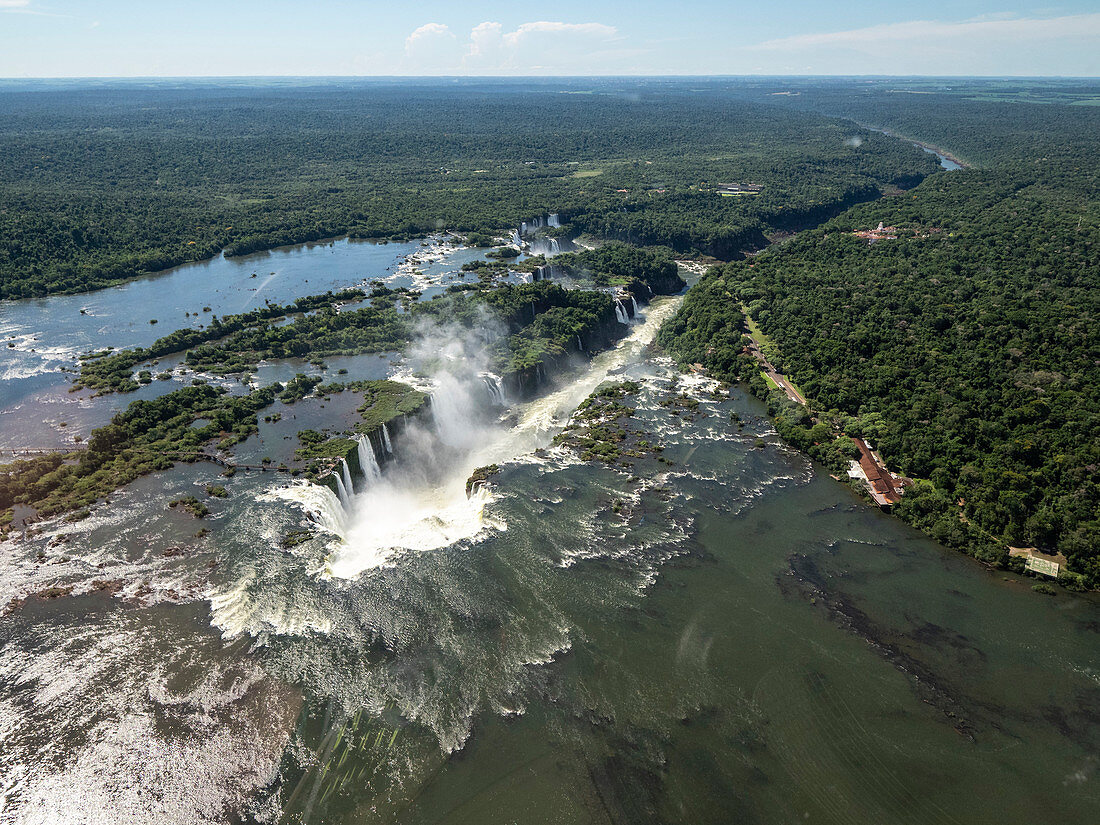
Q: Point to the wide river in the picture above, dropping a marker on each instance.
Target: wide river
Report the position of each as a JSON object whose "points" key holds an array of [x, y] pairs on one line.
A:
{"points": [[727, 635]]}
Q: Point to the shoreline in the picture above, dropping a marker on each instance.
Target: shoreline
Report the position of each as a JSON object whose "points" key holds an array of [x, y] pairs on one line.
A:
{"points": [[221, 253], [931, 147]]}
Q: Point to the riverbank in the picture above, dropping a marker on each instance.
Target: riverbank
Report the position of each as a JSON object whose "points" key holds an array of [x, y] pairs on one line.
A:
{"points": [[928, 147]]}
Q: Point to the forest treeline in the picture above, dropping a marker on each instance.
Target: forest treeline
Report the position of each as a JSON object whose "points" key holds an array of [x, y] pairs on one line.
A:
{"points": [[100, 185], [967, 348]]}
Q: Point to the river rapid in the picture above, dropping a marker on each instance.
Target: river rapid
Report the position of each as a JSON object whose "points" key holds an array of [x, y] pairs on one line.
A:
{"points": [[721, 633]]}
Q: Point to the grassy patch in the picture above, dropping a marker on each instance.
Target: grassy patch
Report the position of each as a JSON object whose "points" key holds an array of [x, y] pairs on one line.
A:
{"points": [[332, 448]]}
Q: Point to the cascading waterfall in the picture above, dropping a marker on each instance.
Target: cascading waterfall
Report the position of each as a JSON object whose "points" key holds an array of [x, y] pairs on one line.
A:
{"points": [[368, 462], [555, 247], [327, 510], [319, 502], [386, 439], [620, 312], [546, 272], [496, 389], [553, 220], [341, 490], [345, 470], [580, 346], [634, 302]]}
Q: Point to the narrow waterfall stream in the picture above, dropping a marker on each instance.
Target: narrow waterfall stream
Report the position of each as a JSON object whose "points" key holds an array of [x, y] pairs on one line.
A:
{"points": [[368, 461]]}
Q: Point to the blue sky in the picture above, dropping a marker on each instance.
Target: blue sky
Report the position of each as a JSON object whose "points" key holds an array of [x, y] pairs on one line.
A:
{"points": [[73, 38]]}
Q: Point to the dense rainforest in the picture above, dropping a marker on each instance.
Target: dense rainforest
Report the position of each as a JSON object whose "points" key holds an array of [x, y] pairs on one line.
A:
{"points": [[964, 341], [98, 185]]}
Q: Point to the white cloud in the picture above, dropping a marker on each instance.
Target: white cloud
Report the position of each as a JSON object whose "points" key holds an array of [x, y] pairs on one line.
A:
{"points": [[542, 46], [575, 32], [930, 31], [976, 46], [432, 47], [24, 7], [486, 40]]}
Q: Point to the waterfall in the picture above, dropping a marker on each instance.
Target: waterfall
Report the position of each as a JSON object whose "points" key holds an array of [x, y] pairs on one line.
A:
{"points": [[341, 490], [321, 504], [635, 303], [329, 511], [553, 220], [555, 247], [495, 388], [386, 439], [523, 228], [580, 346], [349, 488], [620, 312], [517, 239], [368, 463]]}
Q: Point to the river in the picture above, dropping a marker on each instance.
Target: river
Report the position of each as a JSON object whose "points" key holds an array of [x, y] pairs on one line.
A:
{"points": [[720, 634], [945, 161], [43, 338]]}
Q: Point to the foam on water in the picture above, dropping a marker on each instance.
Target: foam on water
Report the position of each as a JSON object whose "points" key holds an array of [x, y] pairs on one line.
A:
{"points": [[235, 611], [318, 501], [388, 521], [211, 764]]}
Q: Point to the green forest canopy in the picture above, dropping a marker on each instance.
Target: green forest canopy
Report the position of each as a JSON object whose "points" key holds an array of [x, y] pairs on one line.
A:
{"points": [[968, 348], [98, 185]]}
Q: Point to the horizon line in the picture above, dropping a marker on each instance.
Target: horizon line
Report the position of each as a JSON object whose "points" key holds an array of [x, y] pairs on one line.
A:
{"points": [[25, 78]]}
